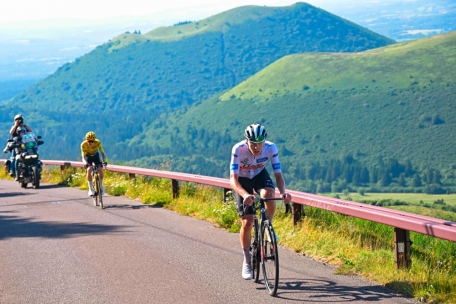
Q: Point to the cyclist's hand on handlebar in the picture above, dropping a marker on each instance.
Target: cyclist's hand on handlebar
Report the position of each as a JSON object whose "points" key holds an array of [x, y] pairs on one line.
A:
{"points": [[86, 165], [105, 164], [249, 199], [286, 197]]}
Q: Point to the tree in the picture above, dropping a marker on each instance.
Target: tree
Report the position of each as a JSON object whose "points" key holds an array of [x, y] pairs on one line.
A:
{"points": [[385, 180], [408, 168], [417, 180], [401, 180], [436, 177]]}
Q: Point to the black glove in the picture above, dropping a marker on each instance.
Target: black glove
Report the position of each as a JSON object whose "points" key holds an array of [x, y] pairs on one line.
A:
{"points": [[105, 164]]}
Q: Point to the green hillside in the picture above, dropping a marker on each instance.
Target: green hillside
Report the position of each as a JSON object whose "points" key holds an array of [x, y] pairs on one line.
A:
{"points": [[159, 71], [367, 112], [420, 63], [122, 86]]}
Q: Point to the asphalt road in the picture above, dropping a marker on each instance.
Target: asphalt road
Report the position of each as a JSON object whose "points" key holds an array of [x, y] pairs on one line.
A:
{"points": [[56, 247]]}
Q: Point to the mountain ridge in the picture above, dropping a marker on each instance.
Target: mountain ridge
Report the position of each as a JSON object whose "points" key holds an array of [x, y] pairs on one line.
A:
{"points": [[405, 119]]}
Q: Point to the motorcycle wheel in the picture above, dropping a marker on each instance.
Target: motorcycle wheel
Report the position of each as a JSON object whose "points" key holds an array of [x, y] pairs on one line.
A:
{"points": [[35, 178]]}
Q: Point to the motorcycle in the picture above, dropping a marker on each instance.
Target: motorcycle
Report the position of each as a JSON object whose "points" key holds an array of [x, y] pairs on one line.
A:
{"points": [[28, 165]]}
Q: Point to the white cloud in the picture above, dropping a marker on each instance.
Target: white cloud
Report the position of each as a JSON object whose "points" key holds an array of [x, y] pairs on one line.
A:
{"points": [[22, 10]]}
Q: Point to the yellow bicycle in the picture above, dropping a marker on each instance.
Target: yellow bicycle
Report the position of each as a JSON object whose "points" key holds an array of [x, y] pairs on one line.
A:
{"points": [[97, 187]]}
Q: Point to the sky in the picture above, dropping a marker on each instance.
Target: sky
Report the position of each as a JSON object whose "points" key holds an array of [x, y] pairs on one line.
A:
{"points": [[27, 10]]}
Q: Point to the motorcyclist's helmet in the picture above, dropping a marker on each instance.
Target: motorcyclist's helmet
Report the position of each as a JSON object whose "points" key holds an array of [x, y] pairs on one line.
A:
{"points": [[255, 133], [19, 117], [90, 136]]}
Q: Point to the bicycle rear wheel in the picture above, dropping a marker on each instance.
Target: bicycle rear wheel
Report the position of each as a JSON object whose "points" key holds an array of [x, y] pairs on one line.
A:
{"points": [[255, 252], [269, 258]]}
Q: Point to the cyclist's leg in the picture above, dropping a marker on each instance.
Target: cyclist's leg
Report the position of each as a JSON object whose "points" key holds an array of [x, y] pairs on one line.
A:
{"points": [[89, 176], [245, 236], [99, 164], [265, 187], [247, 223], [101, 172]]}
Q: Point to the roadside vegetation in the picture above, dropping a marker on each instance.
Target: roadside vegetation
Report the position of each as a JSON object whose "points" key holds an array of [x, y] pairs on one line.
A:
{"points": [[353, 246]]}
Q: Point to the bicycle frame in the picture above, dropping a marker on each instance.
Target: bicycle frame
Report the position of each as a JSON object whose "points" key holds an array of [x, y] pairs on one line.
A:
{"points": [[264, 252], [96, 182]]}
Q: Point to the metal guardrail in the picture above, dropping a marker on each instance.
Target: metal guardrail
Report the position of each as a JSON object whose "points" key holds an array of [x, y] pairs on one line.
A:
{"points": [[403, 222]]}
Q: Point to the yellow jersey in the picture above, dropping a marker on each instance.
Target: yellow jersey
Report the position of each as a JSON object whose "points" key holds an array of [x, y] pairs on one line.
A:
{"points": [[91, 150]]}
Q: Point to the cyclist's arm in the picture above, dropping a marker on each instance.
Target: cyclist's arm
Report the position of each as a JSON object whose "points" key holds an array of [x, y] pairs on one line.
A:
{"points": [[236, 186], [103, 155], [281, 186], [278, 175], [84, 159], [101, 149]]}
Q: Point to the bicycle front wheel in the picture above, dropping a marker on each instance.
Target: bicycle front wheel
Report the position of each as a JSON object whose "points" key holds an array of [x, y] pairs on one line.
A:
{"points": [[255, 253], [269, 258], [95, 189], [99, 192]]}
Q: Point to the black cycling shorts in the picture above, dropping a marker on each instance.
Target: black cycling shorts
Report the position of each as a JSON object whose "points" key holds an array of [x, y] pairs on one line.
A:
{"points": [[260, 181], [95, 159]]}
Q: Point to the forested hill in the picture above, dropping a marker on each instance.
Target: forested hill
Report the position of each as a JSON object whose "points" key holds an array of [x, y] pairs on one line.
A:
{"points": [[152, 74], [380, 117], [123, 85]]}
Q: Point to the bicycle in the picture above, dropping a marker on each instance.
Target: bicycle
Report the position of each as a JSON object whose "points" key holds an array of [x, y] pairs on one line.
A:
{"points": [[97, 187], [263, 249]]}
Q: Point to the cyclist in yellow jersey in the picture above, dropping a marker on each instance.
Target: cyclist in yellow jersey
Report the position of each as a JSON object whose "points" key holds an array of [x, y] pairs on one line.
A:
{"points": [[89, 150]]}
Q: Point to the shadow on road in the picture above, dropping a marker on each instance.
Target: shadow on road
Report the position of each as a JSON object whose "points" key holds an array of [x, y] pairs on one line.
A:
{"points": [[130, 206], [10, 194], [323, 291], [29, 203], [17, 227], [51, 186]]}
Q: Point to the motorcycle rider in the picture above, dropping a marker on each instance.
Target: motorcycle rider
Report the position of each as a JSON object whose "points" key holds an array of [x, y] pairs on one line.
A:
{"points": [[18, 127]]}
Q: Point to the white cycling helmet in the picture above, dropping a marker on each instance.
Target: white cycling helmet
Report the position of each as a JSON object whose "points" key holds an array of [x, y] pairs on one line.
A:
{"points": [[255, 133]]}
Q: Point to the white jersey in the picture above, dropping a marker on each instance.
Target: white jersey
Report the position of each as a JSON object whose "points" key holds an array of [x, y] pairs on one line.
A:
{"points": [[245, 164]]}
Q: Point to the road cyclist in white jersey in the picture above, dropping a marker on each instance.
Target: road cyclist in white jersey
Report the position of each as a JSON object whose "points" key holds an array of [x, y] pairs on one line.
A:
{"points": [[248, 174]]}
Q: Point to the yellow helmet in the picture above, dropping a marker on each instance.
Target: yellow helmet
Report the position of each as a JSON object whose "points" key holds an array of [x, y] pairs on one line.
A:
{"points": [[91, 136]]}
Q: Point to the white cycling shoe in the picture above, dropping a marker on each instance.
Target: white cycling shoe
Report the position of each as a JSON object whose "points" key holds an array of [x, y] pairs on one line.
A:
{"points": [[91, 193], [246, 271]]}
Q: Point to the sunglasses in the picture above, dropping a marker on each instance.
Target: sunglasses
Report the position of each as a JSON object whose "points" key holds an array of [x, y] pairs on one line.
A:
{"points": [[259, 140]]}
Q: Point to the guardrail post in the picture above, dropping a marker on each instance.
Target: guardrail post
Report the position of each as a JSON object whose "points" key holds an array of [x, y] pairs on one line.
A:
{"points": [[297, 212], [175, 186], [402, 245], [62, 169], [131, 176]]}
